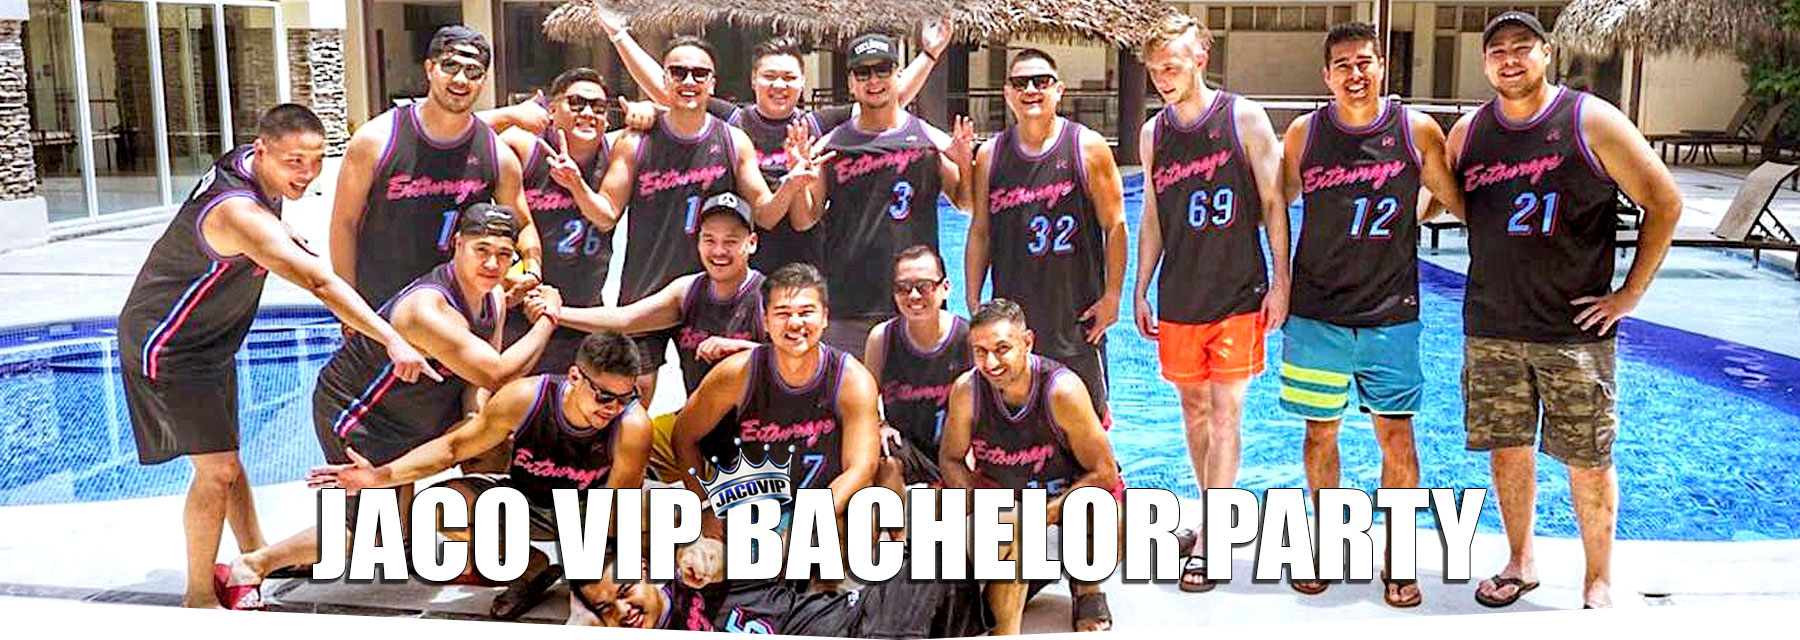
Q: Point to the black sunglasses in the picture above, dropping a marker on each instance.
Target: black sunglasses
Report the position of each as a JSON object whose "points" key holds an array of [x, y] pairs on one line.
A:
{"points": [[879, 69], [604, 397], [474, 71], [578, 103], [699, 74], [921, 286], [1043, 81]]}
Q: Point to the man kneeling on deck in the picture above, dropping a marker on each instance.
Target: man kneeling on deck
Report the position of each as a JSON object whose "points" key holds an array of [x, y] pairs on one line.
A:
{"points": [[578, 430], [1031, 425]]}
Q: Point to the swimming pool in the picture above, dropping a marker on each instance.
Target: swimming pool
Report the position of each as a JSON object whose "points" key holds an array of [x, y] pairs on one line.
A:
{"points": [[1709, 449]]}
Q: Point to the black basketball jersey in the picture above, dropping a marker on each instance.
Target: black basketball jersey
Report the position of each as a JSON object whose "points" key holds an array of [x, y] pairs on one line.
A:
{"points": [[883, 193], [781, 245], [915, 383], [1044, 238], [1358, 264], [576, 255], [1209, 211], [804, 418], [1541, 224], [420, 185], [549, 453], [1024, 447], [674, 176], [378, 414], [704, 315], [190, 308], [759, 606]]}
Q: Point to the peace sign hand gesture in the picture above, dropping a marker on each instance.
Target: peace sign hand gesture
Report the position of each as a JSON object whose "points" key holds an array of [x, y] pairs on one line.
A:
{"points": [[563, 168]]}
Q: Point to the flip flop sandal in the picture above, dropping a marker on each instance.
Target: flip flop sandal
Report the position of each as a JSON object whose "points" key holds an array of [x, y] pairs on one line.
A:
{"points": [[1521, 588], [1090, 607], [242, 597], [1195, 567], [523, 595], [1418, 596], [296, 572], [1312, 588]]}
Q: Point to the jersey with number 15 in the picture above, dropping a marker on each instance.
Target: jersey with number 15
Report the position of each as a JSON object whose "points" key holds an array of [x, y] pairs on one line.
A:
{"points": [[1209, 213]]}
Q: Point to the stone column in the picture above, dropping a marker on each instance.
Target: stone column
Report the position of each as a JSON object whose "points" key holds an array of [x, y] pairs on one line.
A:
{"points": [[24, 220], [316, 70]]}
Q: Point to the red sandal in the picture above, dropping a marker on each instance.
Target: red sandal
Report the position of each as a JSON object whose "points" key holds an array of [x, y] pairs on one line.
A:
{"points": [[242, 597]]}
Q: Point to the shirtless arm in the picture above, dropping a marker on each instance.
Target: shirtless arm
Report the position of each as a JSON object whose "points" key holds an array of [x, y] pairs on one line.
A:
{"points": [[1434, 162], [1108, 191], [717, 394], [858, 405], [498, 417], [959, 425], [1150, 246], [1264, 150], [1640, 173], [1074, 411], [427, 320], [975, 251], [350, 200], [660, 310]]}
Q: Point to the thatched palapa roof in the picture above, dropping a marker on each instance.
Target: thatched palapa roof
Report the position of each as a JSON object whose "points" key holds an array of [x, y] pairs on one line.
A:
{"points": [[1664, 26], [1122, 22]]}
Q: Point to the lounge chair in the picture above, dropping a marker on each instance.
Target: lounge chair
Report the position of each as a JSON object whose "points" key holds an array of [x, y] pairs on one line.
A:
{"points": [[1763, 135], [1738, 126], [1748, 223]]}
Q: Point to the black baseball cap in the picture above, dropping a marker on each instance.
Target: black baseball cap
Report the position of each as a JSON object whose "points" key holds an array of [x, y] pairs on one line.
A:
{"points": [[486, 219], [454, 37], [1519, 18], [727, 202], [872, 47]]}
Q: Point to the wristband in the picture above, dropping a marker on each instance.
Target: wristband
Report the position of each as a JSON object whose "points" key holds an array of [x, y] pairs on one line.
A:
{"points": [[930, 54]]}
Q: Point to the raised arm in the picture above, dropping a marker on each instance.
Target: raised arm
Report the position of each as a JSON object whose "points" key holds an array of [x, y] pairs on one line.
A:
{"points": [[427, 320], [1150, 246], [770, 207], [858, 405], [934, 38], [352, 192], [959, 425], [644, 68], [660, 310], [1108, 192], [706, 406], [1074, 412], [1434, 160], [1640, 173], [616, 183], [531, 116], [1264, 150], [975, 251]]}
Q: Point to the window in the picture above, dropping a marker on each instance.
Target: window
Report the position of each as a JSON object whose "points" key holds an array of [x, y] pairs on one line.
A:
{"points": [[1282, 18], [51, 99]]}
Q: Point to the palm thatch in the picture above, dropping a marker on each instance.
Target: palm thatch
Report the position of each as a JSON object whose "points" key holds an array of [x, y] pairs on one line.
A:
{"points": [[1665, 26], [1121, 22]]}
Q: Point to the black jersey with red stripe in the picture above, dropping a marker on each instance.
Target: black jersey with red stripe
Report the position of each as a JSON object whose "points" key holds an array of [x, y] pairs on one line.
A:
{"points": [[1358, 263], [190, 308], [704, 315], [1044, 237], [1209, 212], [674, 175], [576, 255], [419, 188], [381, 416], [1541, 223], [550, 454]]}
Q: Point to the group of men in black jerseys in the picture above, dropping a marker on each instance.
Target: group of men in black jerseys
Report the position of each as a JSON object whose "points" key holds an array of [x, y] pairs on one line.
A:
{"points": [[467, 266]]}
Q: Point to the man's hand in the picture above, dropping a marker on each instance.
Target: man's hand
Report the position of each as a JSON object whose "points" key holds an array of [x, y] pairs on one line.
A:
{"points": [[1101, 317], [803, 166], [1145, 316], [890, 438], [935, 36], [353, 477], [702, 563], [717, 348], [1605, 311], [563, 168], [530, 115], [519, 285], [641, 115], [962, 142], [409, 364], [610, 22], [1274, 308], [544, 301]]}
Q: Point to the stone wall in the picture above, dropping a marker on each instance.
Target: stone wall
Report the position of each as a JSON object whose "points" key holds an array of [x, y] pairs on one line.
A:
{"points": [[18, 170], [316, 73]]}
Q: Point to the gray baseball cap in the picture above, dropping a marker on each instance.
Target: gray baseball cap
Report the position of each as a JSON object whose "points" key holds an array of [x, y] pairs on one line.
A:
{"points": [[728, 202], [1520, 18]]}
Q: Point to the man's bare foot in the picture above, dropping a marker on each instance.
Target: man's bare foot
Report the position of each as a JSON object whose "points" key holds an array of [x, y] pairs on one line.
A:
{"points": [[1598, 595]]}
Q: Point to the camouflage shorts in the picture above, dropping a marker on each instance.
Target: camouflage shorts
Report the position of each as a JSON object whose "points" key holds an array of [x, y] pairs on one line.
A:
{"points": [[1508, 385]]}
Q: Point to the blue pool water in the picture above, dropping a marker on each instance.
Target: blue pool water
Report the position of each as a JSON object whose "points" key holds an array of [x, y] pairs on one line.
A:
{"points": [[1709, 449]]}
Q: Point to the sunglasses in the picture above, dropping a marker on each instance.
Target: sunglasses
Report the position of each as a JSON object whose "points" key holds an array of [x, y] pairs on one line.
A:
{"points": [[1041, 81], [698, 74], [604, 397], [578, 103], [474, 71], [920, 286], [878, 70]]}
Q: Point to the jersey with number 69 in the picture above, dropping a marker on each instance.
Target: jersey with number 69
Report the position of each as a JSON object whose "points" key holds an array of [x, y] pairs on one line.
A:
{"points": [[882, 193], [1209, 211], [576, 255], [420, 186]]}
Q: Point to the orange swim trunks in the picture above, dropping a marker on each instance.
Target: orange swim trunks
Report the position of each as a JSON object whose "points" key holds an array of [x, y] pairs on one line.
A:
{"points": [[1225, 351]]}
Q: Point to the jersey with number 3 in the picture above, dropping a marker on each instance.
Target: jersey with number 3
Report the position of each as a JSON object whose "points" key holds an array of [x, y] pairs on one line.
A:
{"points": [[1358, 264], [674, 175], [576, 255], [1045, 237], [420, 186], [1541, 223], [1209, 213], [882, 195], [804, 417]]}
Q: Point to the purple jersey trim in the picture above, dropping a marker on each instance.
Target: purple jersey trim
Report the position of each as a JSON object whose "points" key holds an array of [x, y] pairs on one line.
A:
{"points": [[200, 220], [1406, 133], [425, 134], [1562, 93], [1587, 153]]}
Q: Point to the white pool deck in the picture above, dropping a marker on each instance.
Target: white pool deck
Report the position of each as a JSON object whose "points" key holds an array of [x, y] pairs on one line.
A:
{"points": [[130, 551]]}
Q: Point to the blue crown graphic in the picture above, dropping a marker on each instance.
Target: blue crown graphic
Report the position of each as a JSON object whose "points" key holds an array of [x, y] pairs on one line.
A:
{"points": [[744, 482]]}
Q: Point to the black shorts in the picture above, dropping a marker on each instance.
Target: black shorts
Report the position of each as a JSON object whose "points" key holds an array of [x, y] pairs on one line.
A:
{"points": [[916, 466], [851, 334], [653, 350], [1090, 366], [381, 440], [905, 608], [182, 413], [543, 514], [558, 354]]}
